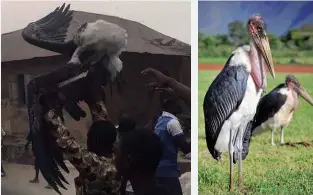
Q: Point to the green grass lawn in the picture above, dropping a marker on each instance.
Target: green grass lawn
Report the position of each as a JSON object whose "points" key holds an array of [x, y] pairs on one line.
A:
{"points": [[285, 60], [268, 169]]}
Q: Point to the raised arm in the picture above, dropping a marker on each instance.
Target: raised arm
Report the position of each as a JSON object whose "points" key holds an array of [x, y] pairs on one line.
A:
{"points": [[81, 159], [162, 81]]}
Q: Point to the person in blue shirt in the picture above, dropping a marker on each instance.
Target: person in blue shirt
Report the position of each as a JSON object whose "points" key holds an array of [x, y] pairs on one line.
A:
{"points": [[169, 129]]}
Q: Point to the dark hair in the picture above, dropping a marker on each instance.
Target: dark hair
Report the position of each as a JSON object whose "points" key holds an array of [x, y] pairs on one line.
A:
{"points": [[171, 105], [101, 137], [144, 147], [126, 123]]}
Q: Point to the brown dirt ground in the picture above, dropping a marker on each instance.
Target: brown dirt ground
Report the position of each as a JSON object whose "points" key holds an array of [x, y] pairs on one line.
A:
{"points": [[280, 68]]}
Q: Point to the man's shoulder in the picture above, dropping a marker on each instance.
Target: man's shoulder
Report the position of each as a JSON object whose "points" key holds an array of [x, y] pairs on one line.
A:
{"points": [[174, 127]]}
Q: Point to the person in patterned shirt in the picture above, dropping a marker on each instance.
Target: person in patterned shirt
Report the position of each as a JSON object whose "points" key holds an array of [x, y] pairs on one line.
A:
{"points": [[97, 172], [135, 158]]}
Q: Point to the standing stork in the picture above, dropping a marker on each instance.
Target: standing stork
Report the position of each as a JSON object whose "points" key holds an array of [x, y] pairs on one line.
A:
{"points": [[231, 101], [275, 109]]}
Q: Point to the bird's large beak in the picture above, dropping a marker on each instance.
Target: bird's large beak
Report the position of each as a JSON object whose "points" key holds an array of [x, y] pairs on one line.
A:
{"points": [[303, 93], [264, 46]]}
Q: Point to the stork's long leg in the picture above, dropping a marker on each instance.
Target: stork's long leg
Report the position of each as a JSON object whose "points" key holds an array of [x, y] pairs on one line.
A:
{"points": [[282, 142], [272, 137], [231, 153], [241, 129]]}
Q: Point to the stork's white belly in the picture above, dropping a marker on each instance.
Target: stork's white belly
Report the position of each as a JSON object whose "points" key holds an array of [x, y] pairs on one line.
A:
{"points": [[104, 36], [240, 117], [281, 118]]}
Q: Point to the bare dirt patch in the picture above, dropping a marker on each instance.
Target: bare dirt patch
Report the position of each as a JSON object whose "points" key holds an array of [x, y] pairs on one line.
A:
{"points": [[292, 68]]}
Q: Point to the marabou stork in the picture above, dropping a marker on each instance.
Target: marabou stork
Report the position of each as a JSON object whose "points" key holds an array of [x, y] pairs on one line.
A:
{"points": [[275, 109], [92, 42], [231, 101], [70, 84]]}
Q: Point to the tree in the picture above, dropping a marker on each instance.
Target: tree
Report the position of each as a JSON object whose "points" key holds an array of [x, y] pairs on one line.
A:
{"points": [[237, 32], [209, 41], [275, 42], [308, 44], [222, 40]]}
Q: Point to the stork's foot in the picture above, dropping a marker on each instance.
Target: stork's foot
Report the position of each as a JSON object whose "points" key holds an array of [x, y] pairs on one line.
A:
{"points": [[282, 143], [240, 185], [231, 187], [273, 144]]}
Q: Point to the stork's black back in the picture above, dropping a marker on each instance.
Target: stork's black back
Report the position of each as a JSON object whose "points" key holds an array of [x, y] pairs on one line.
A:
{"points": [[269, 105], [222, 98]]}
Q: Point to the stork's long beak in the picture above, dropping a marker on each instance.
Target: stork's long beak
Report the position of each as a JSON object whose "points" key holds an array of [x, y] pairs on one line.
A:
{"points": [[303, 93], [264, 46]]}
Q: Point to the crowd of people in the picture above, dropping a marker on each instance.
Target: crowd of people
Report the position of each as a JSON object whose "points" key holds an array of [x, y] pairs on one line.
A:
{"points": [[147, 158]]}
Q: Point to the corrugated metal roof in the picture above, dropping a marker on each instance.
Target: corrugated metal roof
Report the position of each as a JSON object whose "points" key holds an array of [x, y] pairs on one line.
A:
{"points": [[141, 39]]}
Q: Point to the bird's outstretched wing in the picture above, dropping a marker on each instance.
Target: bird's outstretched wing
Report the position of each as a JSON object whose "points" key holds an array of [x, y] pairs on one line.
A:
{"points": [[50, 31], [44, 89], [44, 147], [221, 100]]}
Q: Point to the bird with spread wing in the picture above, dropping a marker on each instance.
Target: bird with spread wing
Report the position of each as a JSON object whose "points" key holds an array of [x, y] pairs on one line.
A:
{"points": [[89, 45], [96, 47]]}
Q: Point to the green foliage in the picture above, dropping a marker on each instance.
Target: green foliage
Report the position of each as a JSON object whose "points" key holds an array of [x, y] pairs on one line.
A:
{"points": [[275, 42], [297, 43], [268, 170], [237, 32]]}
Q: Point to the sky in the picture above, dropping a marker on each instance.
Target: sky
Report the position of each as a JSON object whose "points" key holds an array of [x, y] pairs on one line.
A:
{"points": [[280, 16], [168, 17]]}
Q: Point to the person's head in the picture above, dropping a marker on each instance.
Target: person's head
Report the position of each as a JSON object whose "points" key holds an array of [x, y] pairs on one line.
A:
{"points": [[101, 137], [138, 152], [126, 124], [172, 106]]}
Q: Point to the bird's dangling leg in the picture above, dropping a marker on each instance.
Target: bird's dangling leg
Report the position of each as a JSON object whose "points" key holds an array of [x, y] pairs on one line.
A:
{"points": [[75, 57], [231, 153], [282, 142], [240, 158], [272, 137]]}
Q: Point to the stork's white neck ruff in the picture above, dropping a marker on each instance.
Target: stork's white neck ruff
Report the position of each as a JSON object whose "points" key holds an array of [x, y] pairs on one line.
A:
{"points": [[241, 57]]}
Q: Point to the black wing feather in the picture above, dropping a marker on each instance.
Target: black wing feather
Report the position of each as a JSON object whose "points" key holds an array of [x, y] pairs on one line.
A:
{"points": [[223, 97], [42, 90], [50, 31], [43, 147], [269, 106]]}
